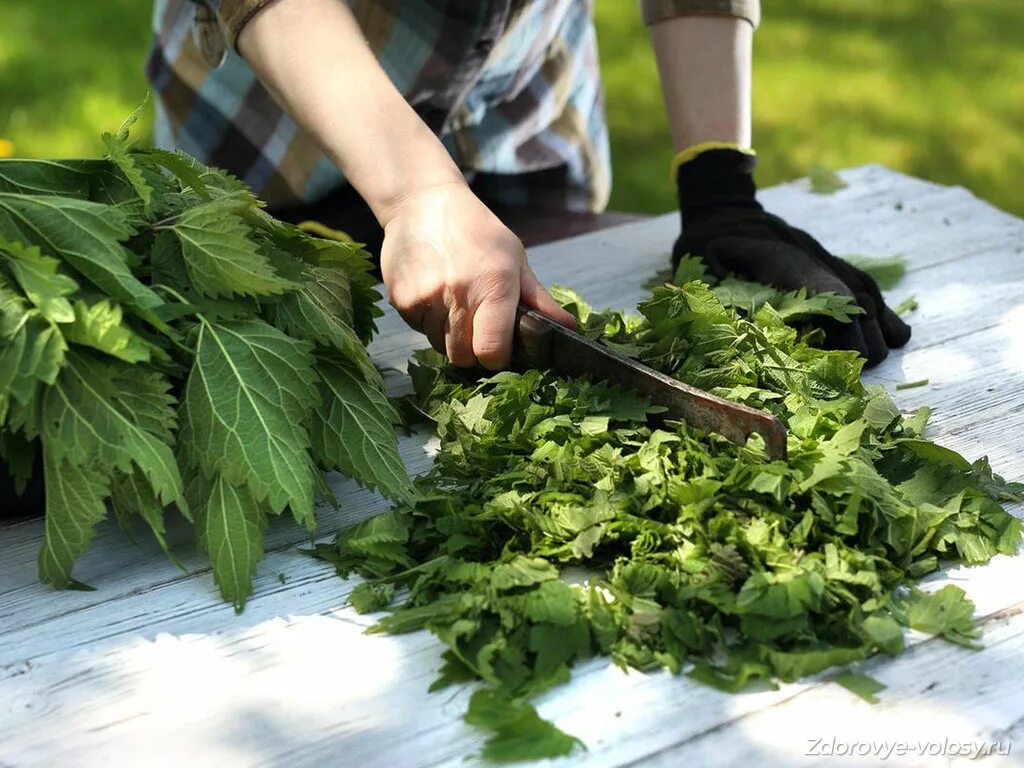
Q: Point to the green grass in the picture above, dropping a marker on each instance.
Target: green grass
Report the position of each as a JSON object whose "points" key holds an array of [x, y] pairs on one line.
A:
{"points": [[931, 87]]}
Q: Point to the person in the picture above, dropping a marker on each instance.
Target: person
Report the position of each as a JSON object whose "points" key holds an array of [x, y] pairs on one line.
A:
{"points": [[406, 123]]}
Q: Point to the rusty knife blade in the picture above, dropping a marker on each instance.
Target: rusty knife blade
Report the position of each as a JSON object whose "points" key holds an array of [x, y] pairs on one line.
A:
{"points": [[542, 343]]}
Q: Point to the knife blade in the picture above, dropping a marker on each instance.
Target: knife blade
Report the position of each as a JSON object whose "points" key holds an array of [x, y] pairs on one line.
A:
{"points": [[540, 342]]}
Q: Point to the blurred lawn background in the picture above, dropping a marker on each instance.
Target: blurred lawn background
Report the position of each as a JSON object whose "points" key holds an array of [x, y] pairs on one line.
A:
{"points": [[931, 87]]}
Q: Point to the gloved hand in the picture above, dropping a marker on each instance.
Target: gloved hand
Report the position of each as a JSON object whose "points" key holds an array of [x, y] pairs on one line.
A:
{"points": [[727, 228]]}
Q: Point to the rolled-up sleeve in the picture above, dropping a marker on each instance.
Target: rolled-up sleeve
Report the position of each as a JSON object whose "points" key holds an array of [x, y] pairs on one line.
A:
{"points": [[659, 10], [233, 15]]}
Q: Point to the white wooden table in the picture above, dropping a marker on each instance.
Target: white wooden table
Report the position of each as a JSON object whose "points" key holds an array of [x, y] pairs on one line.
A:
{"points": [[152, 669]]}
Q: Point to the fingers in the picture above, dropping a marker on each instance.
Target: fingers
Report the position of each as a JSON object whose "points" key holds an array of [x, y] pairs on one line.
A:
{"points": [[433, 324], [535, 295], [493, 326], [458, 336], [881, 328], [895, 331], [844, 336]]}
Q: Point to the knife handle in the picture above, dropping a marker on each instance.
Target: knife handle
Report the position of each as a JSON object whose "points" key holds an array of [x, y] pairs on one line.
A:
{"points": [[531, 341]]}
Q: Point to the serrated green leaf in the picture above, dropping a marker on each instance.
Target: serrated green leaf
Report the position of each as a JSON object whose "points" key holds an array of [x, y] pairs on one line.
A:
{"points": [[74, 507], [231, 523], [66, 178], [31, 349], [101, 326], [40, 279], [246, 412], [87, 236], [356, 263], [110, 414], [118, 153], [797, 306], [220, 258], [947, 612], [690, 268], [884, 632], [369, 596], [126, 125], [518, 731], [132, 495], [320, 311], [187, 170], [744, 294], [353, 430]]}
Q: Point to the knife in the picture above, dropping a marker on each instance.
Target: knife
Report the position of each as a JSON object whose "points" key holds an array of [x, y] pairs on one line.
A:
{"points": [[540, 342]]}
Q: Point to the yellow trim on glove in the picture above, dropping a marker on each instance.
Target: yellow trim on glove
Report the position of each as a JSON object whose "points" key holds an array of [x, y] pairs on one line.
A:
{"points": [[690, 153], [322, 230]]}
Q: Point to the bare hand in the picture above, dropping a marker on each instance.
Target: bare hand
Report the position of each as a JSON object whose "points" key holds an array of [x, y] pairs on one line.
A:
{"points": [[456, 273]]}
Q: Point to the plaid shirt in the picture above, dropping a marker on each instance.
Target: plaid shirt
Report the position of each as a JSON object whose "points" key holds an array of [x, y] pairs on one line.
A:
{"points": [[509, 86]]}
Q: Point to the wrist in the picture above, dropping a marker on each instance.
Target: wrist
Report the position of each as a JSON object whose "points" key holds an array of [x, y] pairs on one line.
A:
{"points": [[408, 194]]}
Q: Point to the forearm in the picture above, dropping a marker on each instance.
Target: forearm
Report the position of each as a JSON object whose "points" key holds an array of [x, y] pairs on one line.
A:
{"points": [[704, 63], [312, 57]]}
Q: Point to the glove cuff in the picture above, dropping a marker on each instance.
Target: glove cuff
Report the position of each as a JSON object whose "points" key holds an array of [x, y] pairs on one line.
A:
{"points": [[693, 151], [707, 175]]}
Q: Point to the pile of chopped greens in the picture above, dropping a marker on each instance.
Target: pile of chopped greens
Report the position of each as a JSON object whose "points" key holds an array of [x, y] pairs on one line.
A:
{"points": [[163, 341], [700, 556]]}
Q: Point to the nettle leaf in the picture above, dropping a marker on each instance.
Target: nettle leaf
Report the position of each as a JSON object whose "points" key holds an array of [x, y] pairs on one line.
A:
{"points": [[187, 170], [353, 430], [40, 279], [797, 306], [32, 349], [220, 258], [131, 495], [690, 268], [231, 521], [518, 731], [127, 279], [94, 413], [87, 236], [321, 311], [947, 612], [861, 685], [102, 327], [246, 412], [74, 507], [118, 153], [65, 178], [887, 272], [357, 265]]}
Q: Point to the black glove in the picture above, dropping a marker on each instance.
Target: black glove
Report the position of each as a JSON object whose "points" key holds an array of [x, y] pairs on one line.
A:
{"points": [[727, 228]]}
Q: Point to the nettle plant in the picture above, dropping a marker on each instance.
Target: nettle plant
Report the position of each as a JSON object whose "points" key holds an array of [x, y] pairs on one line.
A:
{"points": [[164, 341]]}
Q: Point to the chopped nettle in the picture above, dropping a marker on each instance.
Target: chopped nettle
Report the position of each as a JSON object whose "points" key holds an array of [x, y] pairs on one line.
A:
{"points": [[698, 555]]}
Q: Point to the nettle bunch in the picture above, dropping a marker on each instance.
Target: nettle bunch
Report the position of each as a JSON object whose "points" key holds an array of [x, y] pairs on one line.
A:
{"points": [[164, 341]]}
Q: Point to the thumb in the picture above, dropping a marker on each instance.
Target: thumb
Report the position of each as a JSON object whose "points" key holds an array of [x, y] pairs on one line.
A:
{"points": [[536, 296]]}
